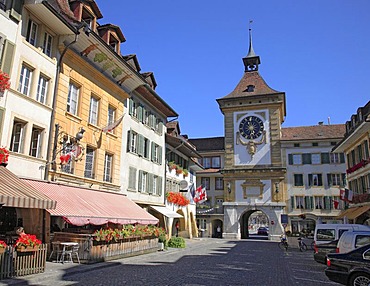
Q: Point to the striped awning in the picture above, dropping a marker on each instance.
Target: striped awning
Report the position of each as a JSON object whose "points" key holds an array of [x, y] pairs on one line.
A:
{"points": [[16, 193], [354, 212], [82, 206]]}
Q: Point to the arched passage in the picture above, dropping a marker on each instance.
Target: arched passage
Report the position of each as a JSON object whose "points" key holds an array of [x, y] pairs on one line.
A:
{"points": [[217, 228], [250, 221]]}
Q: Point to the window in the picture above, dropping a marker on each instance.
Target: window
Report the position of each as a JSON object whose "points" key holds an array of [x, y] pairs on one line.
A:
{"points": [[72, 100], [143, 181], [89, 163], [205, 181], [297, 159], [48, 43], [16, 144], [334, 179], [219, 183], [35, 142], [132, 108], [319, 202], [315, 180], [154, 185], [25, 80], [111, 115], [334, 158], [216, 162], [156, 153], [132, 179], [207, 162], [298, 180], [143, 146], [296, 145], [32, 32], [108, 164], [42, 89], [315, 144], [93, 115], [132, 141], [299, 202], [316, 158]]}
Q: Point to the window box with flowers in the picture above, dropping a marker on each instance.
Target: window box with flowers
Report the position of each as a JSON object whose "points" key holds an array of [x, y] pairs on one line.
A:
{"points": [[4, 82], [177, 199], [179, 170], [185, 172], [172, 165], [27, 242]]}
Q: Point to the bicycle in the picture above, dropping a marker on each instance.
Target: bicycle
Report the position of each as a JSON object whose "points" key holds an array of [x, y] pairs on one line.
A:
{"points": [[283, 244], [302, 246]]}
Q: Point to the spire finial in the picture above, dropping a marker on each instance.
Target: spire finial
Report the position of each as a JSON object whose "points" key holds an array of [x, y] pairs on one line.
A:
{"points": [[251, 52]]}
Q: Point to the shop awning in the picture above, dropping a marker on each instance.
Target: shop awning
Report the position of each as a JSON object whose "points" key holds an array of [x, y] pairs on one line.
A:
{"points": [[16, 193], [166, 212], [352, 213], [81, 206]]}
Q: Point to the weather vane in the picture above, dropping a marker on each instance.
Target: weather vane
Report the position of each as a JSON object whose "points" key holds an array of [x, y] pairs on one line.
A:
{"points": [[250, 24]]}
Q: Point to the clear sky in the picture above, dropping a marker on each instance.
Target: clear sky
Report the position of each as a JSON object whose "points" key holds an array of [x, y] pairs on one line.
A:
{"points": [[317, 52]]}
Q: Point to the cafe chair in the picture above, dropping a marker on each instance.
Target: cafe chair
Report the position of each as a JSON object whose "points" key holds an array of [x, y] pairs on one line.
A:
{"points": [[72, 252], [55, 250]]}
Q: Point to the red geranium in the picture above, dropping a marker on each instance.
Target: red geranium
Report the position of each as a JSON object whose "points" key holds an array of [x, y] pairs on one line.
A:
{"points": [[27, 240], [177, 199], [2, 244], [4, 81]]}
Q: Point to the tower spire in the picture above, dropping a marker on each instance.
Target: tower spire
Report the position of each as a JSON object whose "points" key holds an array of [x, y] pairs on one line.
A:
{"points": [[251, 61]]}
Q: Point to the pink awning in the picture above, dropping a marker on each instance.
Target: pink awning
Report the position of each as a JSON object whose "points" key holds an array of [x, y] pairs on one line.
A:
{"points": [[14, 192], [81, 206]]}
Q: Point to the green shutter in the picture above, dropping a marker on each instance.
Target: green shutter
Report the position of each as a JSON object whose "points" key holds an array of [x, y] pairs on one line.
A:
{"points": [[343, 179], [310, 180], [159, 186], [290, 159], [140, 180], [140, 112], [330, 182], [2, 111], [341, 156], [319, 177], [7, 57], [140, 147], [306, 202], [306, 158], [160, 155], [292, 202], [150, 183], [325, 158], [160, 127], [130, 106], [152, 146], [16, 10], [327, 203], [129, 134]]}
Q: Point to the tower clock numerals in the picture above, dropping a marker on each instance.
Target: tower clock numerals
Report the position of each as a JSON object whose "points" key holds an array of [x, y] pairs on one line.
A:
{"points": [[251, 127]]}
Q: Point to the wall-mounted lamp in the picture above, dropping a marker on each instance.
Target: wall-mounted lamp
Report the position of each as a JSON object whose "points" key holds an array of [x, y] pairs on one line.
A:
{"points": [[80, 134], [229, 187]]}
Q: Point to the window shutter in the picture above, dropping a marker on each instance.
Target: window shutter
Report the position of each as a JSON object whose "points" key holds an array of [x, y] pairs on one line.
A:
{"points": [[152, 146], [343, 179], [16, 10], [290, 159], [327, 203], [140, 186], [325, 158], [307, 202], [292, 202], [310, 180], [160, 127], [306, 158], [341, 157], [140, 146], [7, 59], [140, 111], [130, 106], [319, 177], [132, 178], [311, 202], [1, 120], [150, 183], [159, 186], [330, 182], [159, 155], [129, 134]]}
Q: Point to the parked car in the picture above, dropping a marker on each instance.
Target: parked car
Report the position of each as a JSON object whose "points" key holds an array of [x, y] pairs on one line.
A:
{"points": [[321, 250], [351, 240], [263, 230], [351, 268], [325, 233]]}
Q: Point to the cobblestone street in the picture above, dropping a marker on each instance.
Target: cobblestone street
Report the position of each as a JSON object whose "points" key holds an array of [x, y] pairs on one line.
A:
{"points": [[202, 262]]}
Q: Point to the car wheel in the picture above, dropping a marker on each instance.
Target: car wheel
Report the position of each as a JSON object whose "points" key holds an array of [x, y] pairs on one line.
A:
{"points": [[359, 279]]}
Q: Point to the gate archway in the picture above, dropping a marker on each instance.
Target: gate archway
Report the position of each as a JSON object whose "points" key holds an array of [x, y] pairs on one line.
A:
{"points": [[250, 221]]}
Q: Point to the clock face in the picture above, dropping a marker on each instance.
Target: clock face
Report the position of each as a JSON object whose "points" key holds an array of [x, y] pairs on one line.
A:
{"points": [[251, 127]]}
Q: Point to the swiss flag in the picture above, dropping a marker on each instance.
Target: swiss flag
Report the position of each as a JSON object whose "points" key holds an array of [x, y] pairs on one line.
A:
{"points": [[200, 195]]}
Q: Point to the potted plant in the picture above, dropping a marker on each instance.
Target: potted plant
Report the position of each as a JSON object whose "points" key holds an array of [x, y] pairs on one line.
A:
{"points": [[185, 172], [179, 170], [27, 242], [172, 165], [2, 246]]}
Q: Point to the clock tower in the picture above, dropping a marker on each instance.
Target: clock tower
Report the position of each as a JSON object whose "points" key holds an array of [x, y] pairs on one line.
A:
{"points": [[253, 169]]}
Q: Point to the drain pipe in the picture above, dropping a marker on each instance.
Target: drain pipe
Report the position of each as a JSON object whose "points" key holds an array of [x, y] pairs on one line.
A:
{"points": [[52, 118]]}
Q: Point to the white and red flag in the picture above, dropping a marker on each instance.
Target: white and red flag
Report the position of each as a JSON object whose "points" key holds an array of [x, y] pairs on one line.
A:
{"points": [[200, 195], [113, 125]]}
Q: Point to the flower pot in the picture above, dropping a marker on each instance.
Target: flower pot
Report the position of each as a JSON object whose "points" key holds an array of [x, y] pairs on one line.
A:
{"points": [[27, 249], [160, 246]]}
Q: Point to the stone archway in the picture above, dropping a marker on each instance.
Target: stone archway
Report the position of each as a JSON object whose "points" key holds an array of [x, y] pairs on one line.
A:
{"points": [[217, 228], [250, 220]]}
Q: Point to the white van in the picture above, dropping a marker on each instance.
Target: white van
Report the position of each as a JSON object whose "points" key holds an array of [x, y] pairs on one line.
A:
{"points": [[325, 233], [350, 240]]}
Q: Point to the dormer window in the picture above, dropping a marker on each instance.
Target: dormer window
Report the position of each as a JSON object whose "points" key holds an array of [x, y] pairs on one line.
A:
{"points": [[113, 43], [250, 88], [88, 18]]}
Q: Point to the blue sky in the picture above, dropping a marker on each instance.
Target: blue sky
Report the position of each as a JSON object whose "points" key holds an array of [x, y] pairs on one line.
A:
{"points": [[317, 52]]}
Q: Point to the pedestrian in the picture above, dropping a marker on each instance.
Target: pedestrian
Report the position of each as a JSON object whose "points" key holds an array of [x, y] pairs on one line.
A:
{"points": [[177, 228], [218, 231]]}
